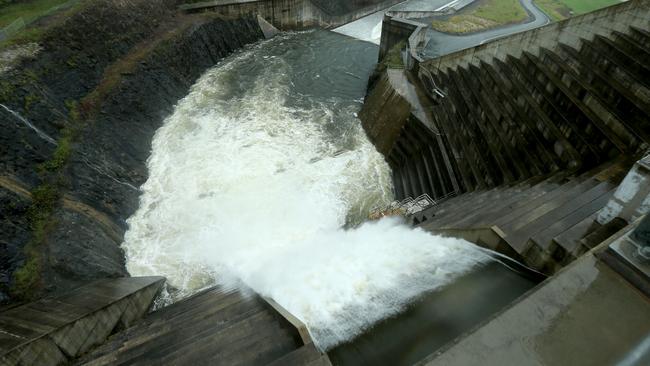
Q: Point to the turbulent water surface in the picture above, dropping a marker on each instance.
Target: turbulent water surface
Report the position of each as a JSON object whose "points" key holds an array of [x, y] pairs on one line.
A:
{"points": [[261, 179]]}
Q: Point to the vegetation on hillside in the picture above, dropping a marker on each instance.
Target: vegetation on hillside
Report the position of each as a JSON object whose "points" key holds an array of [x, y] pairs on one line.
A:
{"points": [[28, 10], [393, 59], [487, 14], [32, 11], [562, 9]]}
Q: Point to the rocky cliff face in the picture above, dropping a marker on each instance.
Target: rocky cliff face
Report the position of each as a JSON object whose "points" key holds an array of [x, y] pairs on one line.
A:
{"points": [[102, 84]]}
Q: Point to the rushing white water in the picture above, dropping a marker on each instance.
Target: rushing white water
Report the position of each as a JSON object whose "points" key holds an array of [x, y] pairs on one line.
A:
{"points": [[252, 182], [24, 121]]}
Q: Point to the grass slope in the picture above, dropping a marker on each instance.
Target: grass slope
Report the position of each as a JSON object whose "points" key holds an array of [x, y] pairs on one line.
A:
{"points": [[29, 10], [488, 14], [562, 9]]}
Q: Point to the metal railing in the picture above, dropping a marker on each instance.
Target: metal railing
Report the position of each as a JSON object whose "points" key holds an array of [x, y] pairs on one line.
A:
{"points": [[430, 85], [408, 206]]}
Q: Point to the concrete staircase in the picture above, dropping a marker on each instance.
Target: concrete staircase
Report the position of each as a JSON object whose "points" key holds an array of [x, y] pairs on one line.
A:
{"points": [[508, 120], [55, 330], [544, 221], [531, 146], [213, 327]]}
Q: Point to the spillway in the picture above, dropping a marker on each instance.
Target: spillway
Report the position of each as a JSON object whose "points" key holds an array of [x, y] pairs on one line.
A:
{"points": [[262, 178]]}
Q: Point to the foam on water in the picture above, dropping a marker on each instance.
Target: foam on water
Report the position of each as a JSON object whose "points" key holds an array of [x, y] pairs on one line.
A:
{"points": [[250, 189]]}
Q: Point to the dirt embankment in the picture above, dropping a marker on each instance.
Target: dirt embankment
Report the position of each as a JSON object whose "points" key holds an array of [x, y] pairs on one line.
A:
{"points": [[102, 83]]}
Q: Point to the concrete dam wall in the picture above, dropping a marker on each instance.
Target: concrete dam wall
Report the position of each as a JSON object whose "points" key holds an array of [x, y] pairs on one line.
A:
{"points": [[562, 99], [296, 14]]}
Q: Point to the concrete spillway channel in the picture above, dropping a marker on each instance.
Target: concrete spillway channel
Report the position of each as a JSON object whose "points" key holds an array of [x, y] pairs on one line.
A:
{"points": [[260, 183]]}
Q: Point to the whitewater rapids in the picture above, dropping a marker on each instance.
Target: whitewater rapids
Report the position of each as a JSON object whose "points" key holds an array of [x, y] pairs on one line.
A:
{"points": [[261, 179]]}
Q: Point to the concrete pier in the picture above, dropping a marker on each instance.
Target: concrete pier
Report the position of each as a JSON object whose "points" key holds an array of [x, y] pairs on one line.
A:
{"points": [[588, 314]]}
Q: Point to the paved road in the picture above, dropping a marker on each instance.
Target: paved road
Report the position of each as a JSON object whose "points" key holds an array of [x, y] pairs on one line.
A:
{"points": [[443, 43], [369, 28]]}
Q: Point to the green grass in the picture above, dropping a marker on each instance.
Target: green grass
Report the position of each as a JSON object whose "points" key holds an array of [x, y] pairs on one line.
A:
{"points": [[29, 11], [35, 31], [585, 6], [393, 59], [501, 11], [488, 14], [27, 278], [562, 9]]}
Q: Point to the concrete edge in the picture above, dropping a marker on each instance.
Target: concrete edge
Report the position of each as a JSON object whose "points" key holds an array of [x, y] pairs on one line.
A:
{"points": [[489, 237], [295, 322], [593, 252], [160, 280], [267, 28]]}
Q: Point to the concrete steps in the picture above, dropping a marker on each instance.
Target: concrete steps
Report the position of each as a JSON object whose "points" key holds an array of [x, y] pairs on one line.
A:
{"points": [[55, 330], [305, 355], [542, 219], [537, 142], [215, 326]]}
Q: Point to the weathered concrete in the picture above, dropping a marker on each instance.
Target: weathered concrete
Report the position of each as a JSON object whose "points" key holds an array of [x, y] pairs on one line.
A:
{"points": [[216, 326], [632, 198], [502, 122], [540, 221], [296, 14], [396, 30], [585, 315], [384, 113], [54, 330], [267, 28]]}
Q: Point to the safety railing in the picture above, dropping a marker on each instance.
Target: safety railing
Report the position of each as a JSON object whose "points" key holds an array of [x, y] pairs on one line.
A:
{"points": [[408, 206]]}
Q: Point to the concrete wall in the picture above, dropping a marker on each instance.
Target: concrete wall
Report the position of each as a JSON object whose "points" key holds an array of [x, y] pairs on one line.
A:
{"points": [[632, 197], [55, 330], [294, 14], [384, 113], [570, 31], [395, 29]]}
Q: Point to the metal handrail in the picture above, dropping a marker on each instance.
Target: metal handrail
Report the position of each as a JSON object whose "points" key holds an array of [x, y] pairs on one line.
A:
{"points": [[409, 206], [434, 88]]}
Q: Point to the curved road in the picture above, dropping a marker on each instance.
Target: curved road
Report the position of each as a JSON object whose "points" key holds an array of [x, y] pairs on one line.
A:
{"points": [[369, 28], [443, 43]]}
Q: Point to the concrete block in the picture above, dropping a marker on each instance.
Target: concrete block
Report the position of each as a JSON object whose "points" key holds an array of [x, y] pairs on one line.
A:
{"points": [[632, 198]]}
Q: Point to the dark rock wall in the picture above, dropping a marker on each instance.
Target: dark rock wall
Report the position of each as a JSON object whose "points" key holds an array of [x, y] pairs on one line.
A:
{"points": [[110, 159], [104, 82]]}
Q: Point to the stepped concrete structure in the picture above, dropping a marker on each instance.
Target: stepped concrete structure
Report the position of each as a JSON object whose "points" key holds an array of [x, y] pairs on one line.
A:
{"points": [[213, 327], [106, 323], [58, 329], [533, 145], [588, 314], [529, 134]]}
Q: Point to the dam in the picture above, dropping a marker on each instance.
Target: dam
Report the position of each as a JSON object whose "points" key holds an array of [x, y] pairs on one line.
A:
{"points": [[274, 217]]}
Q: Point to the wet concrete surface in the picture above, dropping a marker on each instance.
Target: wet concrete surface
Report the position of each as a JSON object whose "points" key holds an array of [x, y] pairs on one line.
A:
{"points": [[586, 315], [435, 319]]}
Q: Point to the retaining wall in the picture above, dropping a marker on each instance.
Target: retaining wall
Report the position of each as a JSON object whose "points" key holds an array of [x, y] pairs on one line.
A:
{"points": [[295, 14]]}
